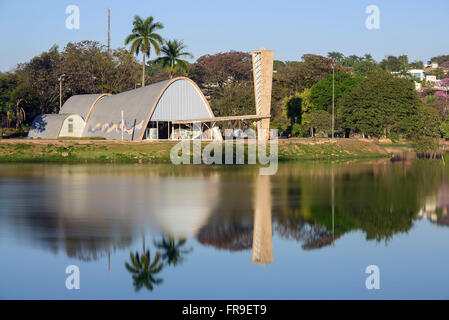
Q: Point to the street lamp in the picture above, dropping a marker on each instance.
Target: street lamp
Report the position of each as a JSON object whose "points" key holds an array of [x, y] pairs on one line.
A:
{"points": [[333, 100], [61, 77]]}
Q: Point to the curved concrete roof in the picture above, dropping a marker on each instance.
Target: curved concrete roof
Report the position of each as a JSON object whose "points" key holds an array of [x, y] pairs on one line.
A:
{"points": [[175, 99], [81, 104], [47, 126]]}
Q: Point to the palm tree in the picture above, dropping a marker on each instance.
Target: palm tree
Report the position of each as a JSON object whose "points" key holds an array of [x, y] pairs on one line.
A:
{"points": [[368, 57], [144, 36], [144, 271], [173, 51], [336, 56], [172, 251]]}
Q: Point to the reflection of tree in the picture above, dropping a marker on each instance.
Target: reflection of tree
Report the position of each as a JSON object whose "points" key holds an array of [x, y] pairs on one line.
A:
{"points": [[172, 250], [380, 200], [313, 236], [228, 235], [230, 225], [144, 271]]}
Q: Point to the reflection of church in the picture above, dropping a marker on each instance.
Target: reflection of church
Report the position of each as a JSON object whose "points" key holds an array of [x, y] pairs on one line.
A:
{"points": [[436, 207], [262, 237]]}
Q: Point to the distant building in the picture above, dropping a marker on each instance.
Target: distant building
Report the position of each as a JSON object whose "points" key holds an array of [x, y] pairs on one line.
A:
{"points": [[418, 74], [431, 79], [418, 86]]}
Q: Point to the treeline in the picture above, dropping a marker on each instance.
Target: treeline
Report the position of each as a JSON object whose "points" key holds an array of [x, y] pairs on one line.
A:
{"points": [[369, 101]]}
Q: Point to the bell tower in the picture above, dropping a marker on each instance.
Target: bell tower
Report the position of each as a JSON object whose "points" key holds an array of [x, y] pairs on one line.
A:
{"points": [[263, 82]]}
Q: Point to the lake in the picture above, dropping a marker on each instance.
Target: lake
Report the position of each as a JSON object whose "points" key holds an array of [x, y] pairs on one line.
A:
{"points": [[225, 232]]}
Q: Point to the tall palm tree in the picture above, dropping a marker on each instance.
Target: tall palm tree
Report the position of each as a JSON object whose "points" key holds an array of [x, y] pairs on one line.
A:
{"points": [[143, 37], [172, 251], [173, 51], [144, 271]]}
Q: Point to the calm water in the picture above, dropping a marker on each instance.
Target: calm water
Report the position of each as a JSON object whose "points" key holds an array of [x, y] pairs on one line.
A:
{"points": [[162, 232]]}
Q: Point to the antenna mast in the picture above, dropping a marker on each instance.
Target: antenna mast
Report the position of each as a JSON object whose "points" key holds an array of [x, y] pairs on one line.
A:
{"points": [[109, 31]]}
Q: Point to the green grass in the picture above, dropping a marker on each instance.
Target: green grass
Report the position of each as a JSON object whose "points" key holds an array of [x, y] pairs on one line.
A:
{"points": [[159, 152]]}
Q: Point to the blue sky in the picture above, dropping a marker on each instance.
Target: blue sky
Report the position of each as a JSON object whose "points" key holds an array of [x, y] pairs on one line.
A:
{"points": [[290, 28]]}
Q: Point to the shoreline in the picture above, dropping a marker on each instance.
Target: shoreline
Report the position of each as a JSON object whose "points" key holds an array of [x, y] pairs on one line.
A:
{"points": [[107, 151]]}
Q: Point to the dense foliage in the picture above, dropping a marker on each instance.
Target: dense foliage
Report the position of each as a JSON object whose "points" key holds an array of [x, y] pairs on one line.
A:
{"points": [[381, 105], [88, 68], [321, 94]]}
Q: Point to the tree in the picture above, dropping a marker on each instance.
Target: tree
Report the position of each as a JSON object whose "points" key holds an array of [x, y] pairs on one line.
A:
{"points": [[363, 67], [292, 106], [380, 105], [440, 102], [173, 251], [439, 73], [425, 133], [319, 120], [287, 80], [440, 59], [321, 92], [416, 65], [306, 101], [143, 270], [87, 67], [234, 100], [315, 68], [395, 64], [292, 110], [213, 72], [173, 51], [40, 76], [144, 36], [337, 57], [444, 128], [296, 76]]}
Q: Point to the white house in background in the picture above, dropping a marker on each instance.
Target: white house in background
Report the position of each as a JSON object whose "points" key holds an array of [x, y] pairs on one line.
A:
{"points": [[431, 79], [418, 86], [418, 74], [432, 65]]}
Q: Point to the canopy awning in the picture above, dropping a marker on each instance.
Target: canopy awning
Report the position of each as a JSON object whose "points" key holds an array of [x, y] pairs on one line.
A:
{"points": [[230, 118]]}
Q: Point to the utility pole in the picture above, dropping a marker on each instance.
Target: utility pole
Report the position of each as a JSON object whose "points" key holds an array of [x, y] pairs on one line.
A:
{"points": [[109, 31], [123, 124], [333, 100], [61, 77]]}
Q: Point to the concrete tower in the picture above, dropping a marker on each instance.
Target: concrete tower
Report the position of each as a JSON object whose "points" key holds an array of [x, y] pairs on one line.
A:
{"points": [[263, 81]]}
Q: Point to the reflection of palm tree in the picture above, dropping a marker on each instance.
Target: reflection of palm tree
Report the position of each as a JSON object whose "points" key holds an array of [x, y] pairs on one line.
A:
{"points": [[144, 271], [172, 250]]}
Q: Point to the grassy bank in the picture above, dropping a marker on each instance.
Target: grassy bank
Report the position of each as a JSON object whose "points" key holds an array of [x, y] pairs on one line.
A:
{"points": [[159, 152]]}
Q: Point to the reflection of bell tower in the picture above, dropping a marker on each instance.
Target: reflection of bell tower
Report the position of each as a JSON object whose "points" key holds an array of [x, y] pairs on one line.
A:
{"points": [[263, 82], [262, 237]]}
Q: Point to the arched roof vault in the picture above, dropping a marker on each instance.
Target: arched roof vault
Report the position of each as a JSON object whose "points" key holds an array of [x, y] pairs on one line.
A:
{"points": [[176, 99]]}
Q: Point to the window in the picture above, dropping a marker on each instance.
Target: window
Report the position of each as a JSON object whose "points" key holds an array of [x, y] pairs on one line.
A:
{"points": [[70, 125]]}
